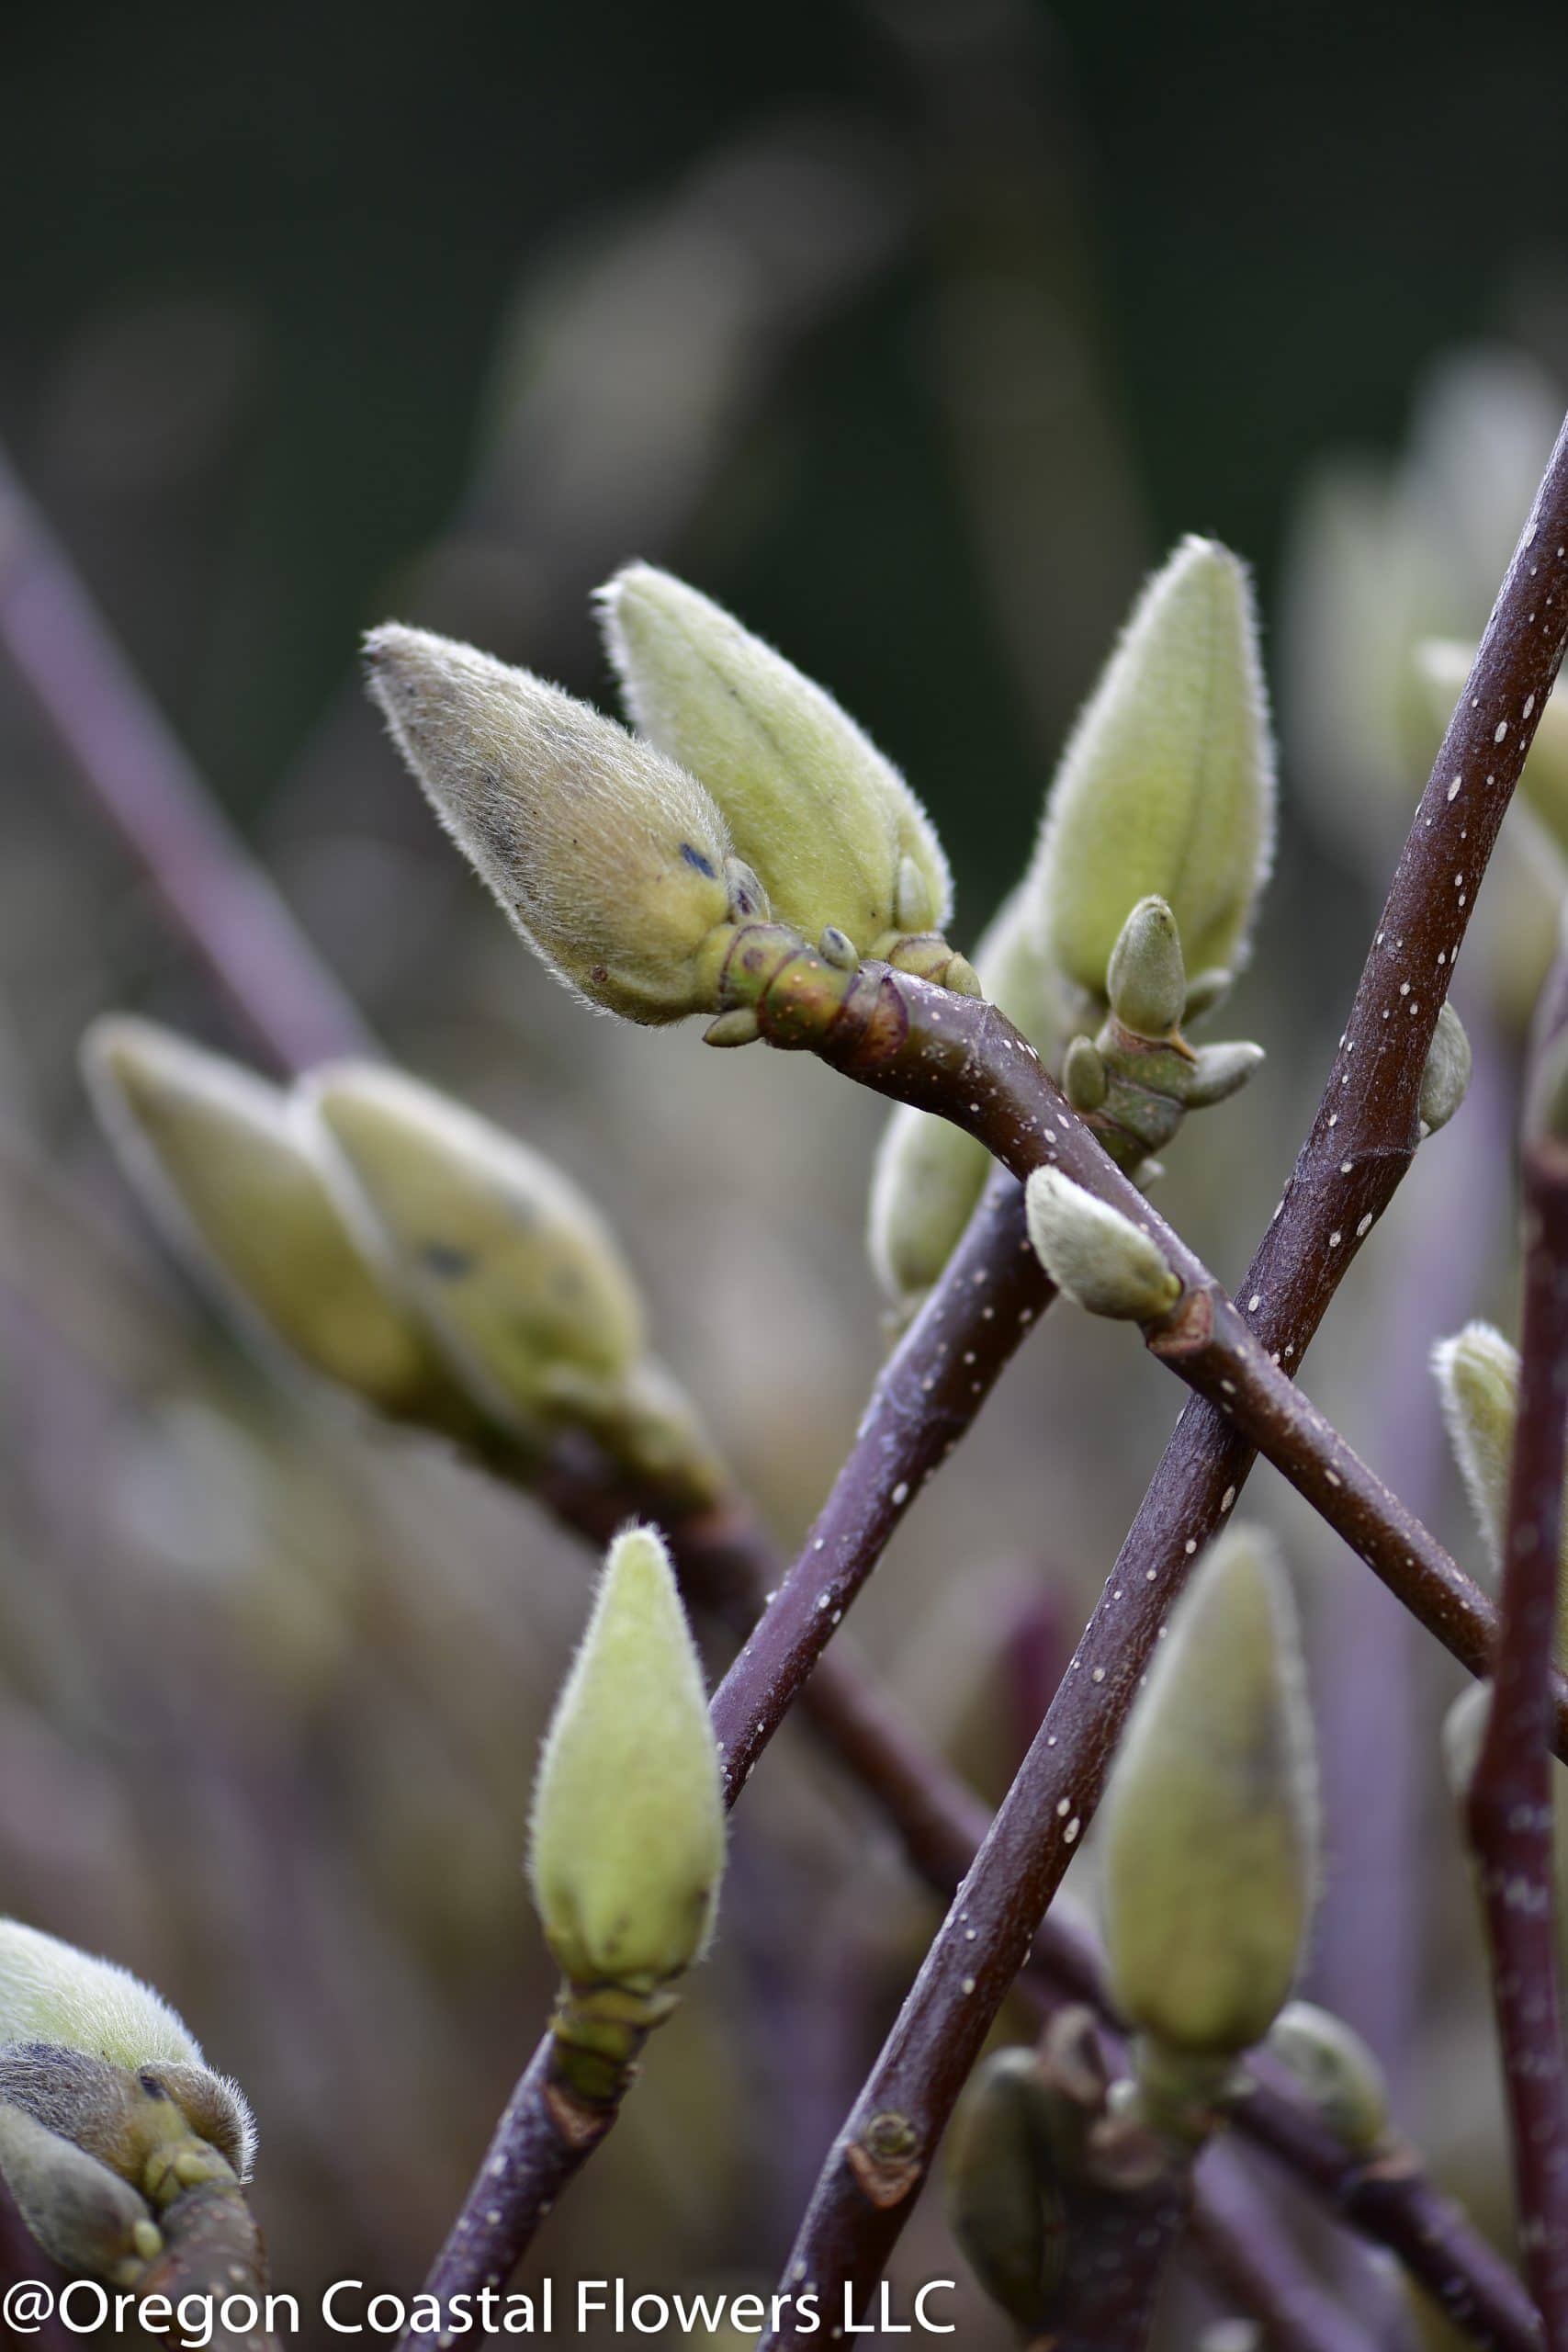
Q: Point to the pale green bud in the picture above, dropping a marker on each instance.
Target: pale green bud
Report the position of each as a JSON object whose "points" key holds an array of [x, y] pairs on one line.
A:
{"points": [[1336, 2070], [1209, 1823], [1146, 981], [233, 1173], [1003, 2186], [835, 834], [1443, 666], [1095, 1255], [628, 1843], [54, 1997], [612, 861], [1166, 785], [1464, 1734], [929, 1174], [1478, 1380], [1446, 1072], [510, 1265]]}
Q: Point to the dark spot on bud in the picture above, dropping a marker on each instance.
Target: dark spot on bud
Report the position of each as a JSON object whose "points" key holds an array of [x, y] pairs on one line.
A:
{"points": [[695, 857], [443, 1260], [152, 2086]]}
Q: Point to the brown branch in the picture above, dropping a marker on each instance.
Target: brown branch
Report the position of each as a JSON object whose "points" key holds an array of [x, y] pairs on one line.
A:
{"points": [[141, 777], [1509, 1805], [1361, 1143]]}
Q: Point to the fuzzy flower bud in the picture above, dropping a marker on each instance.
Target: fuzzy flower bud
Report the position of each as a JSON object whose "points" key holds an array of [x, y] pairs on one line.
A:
{"points": [[510, 1265], [835, 834], [1209, 1823], [628, 1843], [58, 2004], [1478, 1380], [1095, 1255], [1145, 980], [612, 861], [232, 1174], [1166, 785]]}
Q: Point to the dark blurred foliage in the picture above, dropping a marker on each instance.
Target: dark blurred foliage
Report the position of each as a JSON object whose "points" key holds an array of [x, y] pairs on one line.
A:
{"points": [[913, 329]]}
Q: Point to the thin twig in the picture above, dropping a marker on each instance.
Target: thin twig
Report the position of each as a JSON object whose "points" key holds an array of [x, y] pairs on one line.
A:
{"points": [[1251, 2253], [1361, 1143], [1509, 1805], [142, 778]]}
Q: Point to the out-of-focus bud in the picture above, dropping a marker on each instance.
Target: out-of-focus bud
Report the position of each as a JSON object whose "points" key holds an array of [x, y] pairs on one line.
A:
{"points": [[1336, 2070], [612, 861], [1446, 1073], [1209, 1823], [510, 1268], [232, 1174], [1095, 1255], [1167, 785], [929, 1173], [1464, 1730], [1478, 1380], [1443, 667], [830, 826], [627, 1841], [1003, 2185]]}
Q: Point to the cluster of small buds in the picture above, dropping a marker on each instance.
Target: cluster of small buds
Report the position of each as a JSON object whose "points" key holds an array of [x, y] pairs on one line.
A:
{"points": [[109, 2113], [408, 1252], [1210, 1831], [1152, 854], [626, 1842]]}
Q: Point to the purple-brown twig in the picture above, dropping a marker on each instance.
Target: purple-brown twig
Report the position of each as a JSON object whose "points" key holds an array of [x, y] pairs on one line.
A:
{"points": [[1510, 1803]]}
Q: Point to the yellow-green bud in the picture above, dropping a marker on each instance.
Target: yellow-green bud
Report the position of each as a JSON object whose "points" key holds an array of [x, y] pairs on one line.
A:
{"points": [[1446, 1072], [1210, 1822], [1478, 1379], [233, 1174], [1095, 1255], [1167, 785], [1336, 2070], [929, 1173], [1443, 667], [54, 1997], [1003, 2186], [628, 1843], [1146, 981], [612, 861], [835, 834], [512, 1268]]}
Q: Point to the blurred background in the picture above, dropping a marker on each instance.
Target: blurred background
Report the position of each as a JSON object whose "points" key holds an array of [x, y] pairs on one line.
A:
{"points": [[914, 329]]}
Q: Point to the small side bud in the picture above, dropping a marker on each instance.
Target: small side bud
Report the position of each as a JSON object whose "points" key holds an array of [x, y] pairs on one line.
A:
{"points": [[1095, 1255], [1167, 785], [609, 859], [1337, 2072], [513, 1269], [1207, 993], [929, 1173], [1004, 2197], [1464, 1734], [628, 1840], [1446, 1074], [1084, 1076], [235, 1177], [1220, 1072], [1209, 1823], [1145, 980], [831, 826], [1478, 1380]]}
